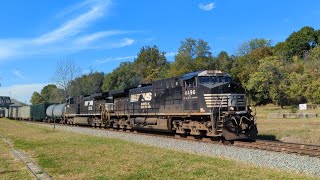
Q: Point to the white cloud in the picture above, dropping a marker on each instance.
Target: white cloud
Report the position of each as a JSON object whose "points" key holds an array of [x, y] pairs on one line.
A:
{"points": [[123, 43], [18, 74], [170, 54], [207, 7], [110, 59], [5, 52], [126, 58], [21, 92], [66, 37], [75, 25], [98, 35]]}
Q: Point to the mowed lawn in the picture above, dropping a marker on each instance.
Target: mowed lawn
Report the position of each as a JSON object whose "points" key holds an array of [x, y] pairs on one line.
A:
{"points": [[303, 130], [66, 155], [11, 168]]}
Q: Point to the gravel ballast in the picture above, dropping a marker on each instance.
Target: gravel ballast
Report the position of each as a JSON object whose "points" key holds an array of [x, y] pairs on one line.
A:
{"points": [[277, 160]]}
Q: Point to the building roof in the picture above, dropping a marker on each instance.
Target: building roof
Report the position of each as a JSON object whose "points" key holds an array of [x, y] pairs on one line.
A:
{"points": [[15, 103]]}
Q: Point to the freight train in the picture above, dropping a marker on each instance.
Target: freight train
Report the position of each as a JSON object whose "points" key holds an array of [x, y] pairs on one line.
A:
{"points": [[203, 103]]}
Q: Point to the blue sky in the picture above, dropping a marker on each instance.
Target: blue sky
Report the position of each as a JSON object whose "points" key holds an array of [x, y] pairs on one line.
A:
{"points": [[99, 34]]}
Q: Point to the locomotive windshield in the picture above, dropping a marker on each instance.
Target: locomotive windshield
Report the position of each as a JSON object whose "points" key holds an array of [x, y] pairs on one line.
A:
{"points": [[213, 79]]}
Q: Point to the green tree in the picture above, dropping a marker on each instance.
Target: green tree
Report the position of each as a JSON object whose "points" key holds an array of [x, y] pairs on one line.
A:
{"points": [[223, 62], [248, 46], [248, 64], [87, 84], [312, 76], [36, 98], [193, 55], [298, 43], [47, 92], [151, 64], [122, 77], [269, 81]]}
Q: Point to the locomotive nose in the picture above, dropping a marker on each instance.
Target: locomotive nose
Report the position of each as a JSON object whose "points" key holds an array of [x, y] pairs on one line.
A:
{"points": [[240, 126]]}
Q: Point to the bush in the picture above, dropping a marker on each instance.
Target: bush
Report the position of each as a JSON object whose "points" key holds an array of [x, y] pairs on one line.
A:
{"points": [[293, 109]]}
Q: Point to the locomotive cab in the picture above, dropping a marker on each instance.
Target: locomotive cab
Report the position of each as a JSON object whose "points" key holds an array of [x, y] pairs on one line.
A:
{"points": [[214, 92]]}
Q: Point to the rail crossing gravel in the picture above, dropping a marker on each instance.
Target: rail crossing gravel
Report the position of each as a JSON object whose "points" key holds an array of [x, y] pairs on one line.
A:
{"points": [[277, 160]]}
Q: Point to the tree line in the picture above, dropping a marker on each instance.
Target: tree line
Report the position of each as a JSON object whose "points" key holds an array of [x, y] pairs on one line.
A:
{"points": [[286, 73]]}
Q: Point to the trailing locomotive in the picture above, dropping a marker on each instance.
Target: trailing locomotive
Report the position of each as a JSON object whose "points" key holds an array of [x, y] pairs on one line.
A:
{"points": [[203, 103]]}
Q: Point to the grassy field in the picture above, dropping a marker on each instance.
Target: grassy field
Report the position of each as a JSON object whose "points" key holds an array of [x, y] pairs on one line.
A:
{"points": [[290, 130], [66, 155], [10, 168]]}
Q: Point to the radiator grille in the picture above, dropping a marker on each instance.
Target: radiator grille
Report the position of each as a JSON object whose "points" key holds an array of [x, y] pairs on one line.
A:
{"points": [[224, 100]]}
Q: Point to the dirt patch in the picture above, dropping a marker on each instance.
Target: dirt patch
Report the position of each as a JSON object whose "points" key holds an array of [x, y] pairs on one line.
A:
{"points": [[292, 140]]}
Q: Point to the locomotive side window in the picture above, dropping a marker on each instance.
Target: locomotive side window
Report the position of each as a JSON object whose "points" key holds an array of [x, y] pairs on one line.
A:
{"points": [[71, 101], [172, 83], [176, 81], [190, 82], [214, 79]]}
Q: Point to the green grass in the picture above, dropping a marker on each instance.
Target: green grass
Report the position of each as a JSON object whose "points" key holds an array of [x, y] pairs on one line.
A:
{"points": [[66, 155], [10, 168], [305, 130]]}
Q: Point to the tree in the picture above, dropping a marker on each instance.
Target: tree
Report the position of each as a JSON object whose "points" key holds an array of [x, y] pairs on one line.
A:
{"points": [[36, 98], [193, 55], [269, 81], [312, 77], [223, 62], [151, 64], [248, 46], [47, 92], [87, 84], [122, 77], [248, 64], [298, 43], [66, 71], [297, 80]]}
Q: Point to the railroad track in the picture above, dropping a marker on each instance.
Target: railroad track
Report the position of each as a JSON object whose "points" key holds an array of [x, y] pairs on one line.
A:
{"points": [[268, 145], [278, 146]]}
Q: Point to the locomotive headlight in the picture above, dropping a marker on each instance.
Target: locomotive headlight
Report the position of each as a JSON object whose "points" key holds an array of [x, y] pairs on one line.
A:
{"points": [[231, 108]]}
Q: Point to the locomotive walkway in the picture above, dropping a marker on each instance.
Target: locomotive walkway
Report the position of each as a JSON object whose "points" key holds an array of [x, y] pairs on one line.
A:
{"points": [[34, 168]]}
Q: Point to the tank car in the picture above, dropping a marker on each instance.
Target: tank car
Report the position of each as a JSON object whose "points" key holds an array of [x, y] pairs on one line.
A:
{"points": [[55, 112]]}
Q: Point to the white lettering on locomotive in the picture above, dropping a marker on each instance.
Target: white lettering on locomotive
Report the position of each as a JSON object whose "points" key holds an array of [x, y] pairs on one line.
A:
{"points": [[88, 103], [190, 92], [144, 97], [145, 105]]}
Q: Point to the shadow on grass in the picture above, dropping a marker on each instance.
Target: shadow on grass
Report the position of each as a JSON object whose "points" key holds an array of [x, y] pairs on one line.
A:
{"points": [[9, 171], [267, 137]]}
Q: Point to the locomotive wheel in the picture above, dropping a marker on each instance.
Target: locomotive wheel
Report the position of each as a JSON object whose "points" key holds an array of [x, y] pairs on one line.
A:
{"points": [[226, 142]]}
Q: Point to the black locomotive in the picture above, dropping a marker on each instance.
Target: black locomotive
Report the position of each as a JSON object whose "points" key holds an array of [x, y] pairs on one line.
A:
{"points": [[203, 103]]}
